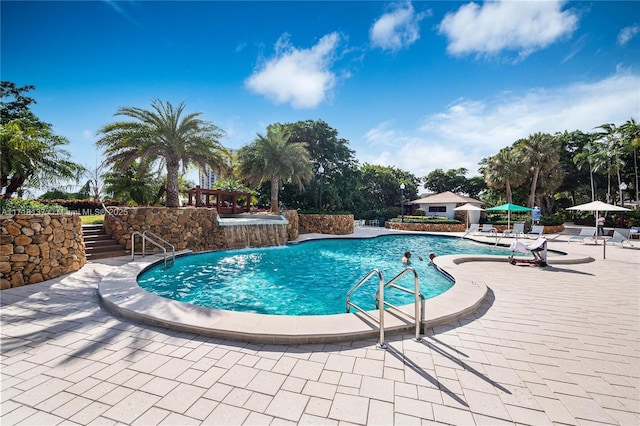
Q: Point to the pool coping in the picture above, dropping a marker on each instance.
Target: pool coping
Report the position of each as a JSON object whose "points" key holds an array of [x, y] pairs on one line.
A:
{"points": [[120, 293]]}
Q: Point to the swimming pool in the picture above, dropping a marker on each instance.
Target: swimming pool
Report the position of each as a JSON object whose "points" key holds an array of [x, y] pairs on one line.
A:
{"points": [[310, 278]]}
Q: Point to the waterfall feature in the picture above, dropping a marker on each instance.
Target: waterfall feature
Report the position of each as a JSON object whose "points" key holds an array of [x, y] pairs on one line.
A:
{"points": [[254, 231]]}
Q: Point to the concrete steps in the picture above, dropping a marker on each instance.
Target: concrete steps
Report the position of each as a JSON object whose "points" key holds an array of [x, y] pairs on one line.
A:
{"points": [[99, 245]]}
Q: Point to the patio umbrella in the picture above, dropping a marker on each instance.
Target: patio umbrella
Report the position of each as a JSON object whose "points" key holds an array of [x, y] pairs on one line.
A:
{"points": [[468, 207], [510, 208], [595, 207]]}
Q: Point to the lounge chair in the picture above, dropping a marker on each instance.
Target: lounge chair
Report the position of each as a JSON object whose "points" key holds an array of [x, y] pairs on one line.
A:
{"points": [[620, 238], [536, 231], [473, 229], [487, 228], [516, 231], [587, 235]]}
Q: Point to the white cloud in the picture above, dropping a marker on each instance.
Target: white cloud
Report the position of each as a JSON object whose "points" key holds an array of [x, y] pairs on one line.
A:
{"points": [[469, 130], [627, 33], [396, 29], [497, 26], [301, 77]]}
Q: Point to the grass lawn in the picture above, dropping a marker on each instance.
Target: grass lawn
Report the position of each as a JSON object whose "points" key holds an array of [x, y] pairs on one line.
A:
{"points": [[93, 219]]}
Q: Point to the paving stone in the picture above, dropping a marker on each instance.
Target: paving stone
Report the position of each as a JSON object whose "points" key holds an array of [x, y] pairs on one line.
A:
{"points": [[131, 407], [225, 414], [287, 405], [349, 408]]}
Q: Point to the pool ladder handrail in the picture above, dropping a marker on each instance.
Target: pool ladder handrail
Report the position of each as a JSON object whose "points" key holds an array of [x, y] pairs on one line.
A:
{"points": [[419, 302], [380, 320], [146, 238]]}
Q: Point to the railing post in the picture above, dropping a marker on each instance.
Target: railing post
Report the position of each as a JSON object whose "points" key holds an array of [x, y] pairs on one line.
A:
{"points": [[416, 285], [381, 343]]}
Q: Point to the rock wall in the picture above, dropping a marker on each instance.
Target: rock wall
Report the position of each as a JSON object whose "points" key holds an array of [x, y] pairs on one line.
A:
{"points": [[39, 247], [327, 224], [426, 227], [185, 227], [191, 228], [294, 223]]}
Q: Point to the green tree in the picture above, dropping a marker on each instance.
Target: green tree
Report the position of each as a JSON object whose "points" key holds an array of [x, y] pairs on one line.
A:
{"points": [[339, 180], [613, 150], [136, 184], [631, 136], [453, 180], [503, 171], [539, 151], [165, 136], [31, 155], [592, 156], [380, 186], [274, 158]]}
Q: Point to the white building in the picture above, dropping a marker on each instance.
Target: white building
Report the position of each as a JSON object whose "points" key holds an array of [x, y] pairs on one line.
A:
{"points": [[443, 204], [207, 178]]}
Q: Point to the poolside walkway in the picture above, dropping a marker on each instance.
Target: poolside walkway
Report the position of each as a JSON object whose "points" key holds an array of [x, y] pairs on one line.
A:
{"points": [[556, 345]]}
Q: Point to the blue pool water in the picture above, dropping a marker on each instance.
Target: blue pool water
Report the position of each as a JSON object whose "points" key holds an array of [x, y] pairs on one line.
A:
{"points": [[310, 278]]}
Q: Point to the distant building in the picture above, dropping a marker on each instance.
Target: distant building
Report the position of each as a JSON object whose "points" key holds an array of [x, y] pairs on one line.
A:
{"points": [[207, 178], [443, 204]]}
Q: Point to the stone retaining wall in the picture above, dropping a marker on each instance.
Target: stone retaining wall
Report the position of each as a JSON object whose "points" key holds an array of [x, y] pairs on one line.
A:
{"points": [[39, 247], [426, 227], [187, 228], [339, 224]]}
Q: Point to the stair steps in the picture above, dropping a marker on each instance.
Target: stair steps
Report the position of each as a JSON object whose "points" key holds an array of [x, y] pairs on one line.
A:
{"points": [[99, 245]]}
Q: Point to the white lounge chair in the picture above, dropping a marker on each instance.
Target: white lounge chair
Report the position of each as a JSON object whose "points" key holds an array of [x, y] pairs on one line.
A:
{"points": [[473, 229], [536, 231], [587, 235], [487, 228], [516, 231], [620, 238]]}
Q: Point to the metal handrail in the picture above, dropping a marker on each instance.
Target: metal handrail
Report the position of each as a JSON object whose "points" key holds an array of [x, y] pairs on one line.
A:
{"points": [[380, 320], [419, 303], [146, 238]]}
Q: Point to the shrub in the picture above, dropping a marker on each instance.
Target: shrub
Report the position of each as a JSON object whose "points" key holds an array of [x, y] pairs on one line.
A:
{"points": [[426, 219], [20, 206]]}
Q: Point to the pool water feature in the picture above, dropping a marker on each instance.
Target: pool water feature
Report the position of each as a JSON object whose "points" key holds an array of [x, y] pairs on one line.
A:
{"points": [[310, 278]]}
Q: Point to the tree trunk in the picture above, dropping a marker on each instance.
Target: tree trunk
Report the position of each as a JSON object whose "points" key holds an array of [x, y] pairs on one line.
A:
{"points": [[509, 194], [275, 187], [173, 194], [534, 185]]}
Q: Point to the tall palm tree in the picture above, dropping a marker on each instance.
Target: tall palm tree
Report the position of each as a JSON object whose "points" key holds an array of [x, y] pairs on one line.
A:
{"points": [[31, 155], [504, 170], [595, 157], [539, 151], [273, 157], [631, 137], [614, 150], [163, 136]]}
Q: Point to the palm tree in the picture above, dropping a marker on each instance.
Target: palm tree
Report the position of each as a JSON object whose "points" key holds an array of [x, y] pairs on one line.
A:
{"points": [[31, 155], [595, 157], [613, 148], [272, 157], [631, 138], [539, 151], [503, 170], [164, 136]]}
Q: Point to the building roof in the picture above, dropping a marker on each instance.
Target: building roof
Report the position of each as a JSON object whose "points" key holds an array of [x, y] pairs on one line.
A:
{"points": [[446, 198]]}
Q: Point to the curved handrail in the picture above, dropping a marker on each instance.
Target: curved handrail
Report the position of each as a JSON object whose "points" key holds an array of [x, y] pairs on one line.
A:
{"points": [[116, 218], [157, 237], [373, 272], [419, 298], [147, 238]]}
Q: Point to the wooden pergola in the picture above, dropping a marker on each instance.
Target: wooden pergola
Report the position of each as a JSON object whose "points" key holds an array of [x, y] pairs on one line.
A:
{"points": [[223, 201]]}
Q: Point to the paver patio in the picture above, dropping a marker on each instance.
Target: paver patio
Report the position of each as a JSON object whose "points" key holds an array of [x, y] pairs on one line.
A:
{"points": [[556, 345]]}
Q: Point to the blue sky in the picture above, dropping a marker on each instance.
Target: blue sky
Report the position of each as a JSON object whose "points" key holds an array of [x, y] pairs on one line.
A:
{"points": [[417, 85]]}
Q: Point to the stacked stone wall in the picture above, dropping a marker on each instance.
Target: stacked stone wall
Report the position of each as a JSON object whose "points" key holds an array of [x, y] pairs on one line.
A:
{"points": [[184, 227], [327, 224], [39, 247], [187, 228], [293, 225]]}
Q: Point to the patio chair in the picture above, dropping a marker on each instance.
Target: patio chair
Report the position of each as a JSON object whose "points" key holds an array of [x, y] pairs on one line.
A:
{"points": [[487, 228], [587, 235], [536, 231], [620, 238], [516, 231]]}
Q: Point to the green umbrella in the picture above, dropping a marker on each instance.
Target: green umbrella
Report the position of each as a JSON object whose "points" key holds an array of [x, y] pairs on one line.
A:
{"points": [[510, 208]]}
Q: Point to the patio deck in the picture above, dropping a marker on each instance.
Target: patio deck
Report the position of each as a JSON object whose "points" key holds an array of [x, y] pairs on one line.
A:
{"points": [[556, 345]]}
